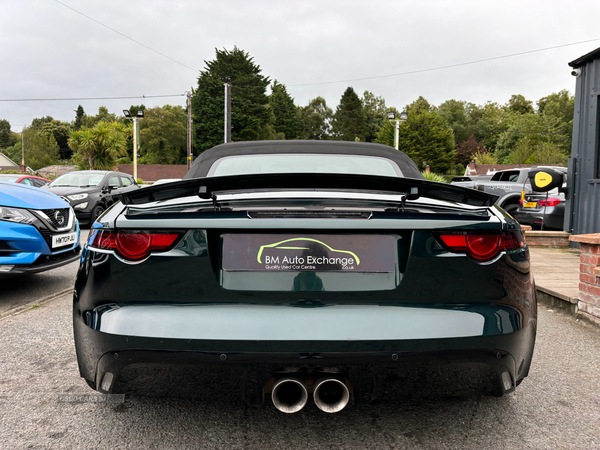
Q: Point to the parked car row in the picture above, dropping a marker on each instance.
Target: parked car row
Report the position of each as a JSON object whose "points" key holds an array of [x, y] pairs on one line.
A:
{"points": [[39, 228], [27, 180], [515, 196], [91, 192]]}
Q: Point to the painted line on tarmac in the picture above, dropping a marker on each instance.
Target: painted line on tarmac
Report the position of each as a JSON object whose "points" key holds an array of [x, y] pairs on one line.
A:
{"points": [[34, 304]]}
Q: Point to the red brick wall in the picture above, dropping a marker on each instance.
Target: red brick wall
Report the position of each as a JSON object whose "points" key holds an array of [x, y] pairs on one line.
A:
{"points": [[589, 282]]}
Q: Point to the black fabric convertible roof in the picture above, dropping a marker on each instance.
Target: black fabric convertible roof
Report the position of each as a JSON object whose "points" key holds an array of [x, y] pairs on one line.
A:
{"points": [[202, 164]]}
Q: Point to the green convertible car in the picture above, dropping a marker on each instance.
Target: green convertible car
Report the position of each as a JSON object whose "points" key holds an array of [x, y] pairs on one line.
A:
{"points": [[305, 269]]}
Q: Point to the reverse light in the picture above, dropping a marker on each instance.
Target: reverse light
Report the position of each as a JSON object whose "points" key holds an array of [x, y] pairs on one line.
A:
{"points": [[549, 202], [482, 246], [134, 245]]}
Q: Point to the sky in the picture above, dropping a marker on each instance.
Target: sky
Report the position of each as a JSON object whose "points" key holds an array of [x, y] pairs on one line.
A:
{"points": [[87, 51]]}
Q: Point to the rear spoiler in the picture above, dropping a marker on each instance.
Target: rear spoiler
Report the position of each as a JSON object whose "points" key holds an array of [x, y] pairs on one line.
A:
{"points": [[208, 188]]}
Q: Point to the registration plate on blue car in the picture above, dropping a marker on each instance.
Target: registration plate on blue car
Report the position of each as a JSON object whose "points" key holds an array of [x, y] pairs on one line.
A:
{"points": [[61, 240]]}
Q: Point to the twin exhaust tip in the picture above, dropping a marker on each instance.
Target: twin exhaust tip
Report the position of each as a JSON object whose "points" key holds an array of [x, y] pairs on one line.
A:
{"points": [[290, 394]]}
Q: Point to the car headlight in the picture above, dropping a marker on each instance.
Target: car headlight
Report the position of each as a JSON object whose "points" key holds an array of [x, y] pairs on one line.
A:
{"points": [[77, 196], [81, 205], [16, 215]]}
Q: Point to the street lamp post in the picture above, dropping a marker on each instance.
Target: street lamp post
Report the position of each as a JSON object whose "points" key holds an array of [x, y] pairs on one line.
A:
{"points": [[136, 140], [392, 118]]}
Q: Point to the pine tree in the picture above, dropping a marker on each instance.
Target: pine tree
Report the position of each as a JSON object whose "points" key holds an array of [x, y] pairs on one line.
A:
{"points": [[79, 113], [286, 115], [349, 122], [249, 118]]}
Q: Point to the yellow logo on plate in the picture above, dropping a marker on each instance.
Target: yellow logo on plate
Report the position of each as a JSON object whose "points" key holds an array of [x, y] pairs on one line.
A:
{"points": [[542, 179]]}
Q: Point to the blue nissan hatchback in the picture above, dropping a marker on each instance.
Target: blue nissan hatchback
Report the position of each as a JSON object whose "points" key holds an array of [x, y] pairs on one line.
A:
{"points": [[38, 231]]}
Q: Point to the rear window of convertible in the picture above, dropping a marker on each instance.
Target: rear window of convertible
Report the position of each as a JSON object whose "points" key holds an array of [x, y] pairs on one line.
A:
{"points": [[304, 163]]}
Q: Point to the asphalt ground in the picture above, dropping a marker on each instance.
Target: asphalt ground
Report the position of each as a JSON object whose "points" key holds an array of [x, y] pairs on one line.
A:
{"points": [[557, 406]]}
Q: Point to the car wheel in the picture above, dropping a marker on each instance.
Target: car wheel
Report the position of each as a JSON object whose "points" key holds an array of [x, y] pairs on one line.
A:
{"points": [[96, 213], [511, 208]]}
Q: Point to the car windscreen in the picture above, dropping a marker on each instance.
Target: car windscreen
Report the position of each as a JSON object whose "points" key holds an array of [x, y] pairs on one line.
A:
{"points": [[78, 180], [9, 178], [304, 163]]}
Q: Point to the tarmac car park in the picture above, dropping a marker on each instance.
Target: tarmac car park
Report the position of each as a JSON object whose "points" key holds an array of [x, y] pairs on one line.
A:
{"points": [[365, 274]]}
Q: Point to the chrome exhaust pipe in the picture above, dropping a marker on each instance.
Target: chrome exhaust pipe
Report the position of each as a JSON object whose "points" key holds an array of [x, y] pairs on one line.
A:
{"points": [[289, 394], [331, 395]]}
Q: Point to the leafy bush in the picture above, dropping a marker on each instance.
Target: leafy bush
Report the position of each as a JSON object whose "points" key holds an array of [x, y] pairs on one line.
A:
{"points": [[430, 176]]}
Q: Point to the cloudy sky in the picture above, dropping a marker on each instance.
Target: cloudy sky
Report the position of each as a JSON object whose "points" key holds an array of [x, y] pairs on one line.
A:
{"points": [[397, 49]]}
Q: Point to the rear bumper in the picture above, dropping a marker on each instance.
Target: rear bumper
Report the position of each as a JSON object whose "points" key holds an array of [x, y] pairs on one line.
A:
{"points": [[121, 364]]}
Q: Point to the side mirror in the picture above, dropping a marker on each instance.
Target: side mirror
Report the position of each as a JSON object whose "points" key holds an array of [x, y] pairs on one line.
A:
{"points": [[544, 180]]}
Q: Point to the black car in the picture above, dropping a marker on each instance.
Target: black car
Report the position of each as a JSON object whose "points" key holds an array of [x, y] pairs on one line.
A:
{"points": [[306, 269], [91, 192], [545, 210]]}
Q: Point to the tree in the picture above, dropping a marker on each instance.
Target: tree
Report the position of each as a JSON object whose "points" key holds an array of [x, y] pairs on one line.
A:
{"points": [[282, 105], [424, 138], [348, 122], [60, 131], [102, 116], [489, 124], [250, 117], [79, 115], [99, 147], [466, 149], [164, 135], [6, 139], [520, 105], [420, 105], [41, 149], [558, 109], [461, 116], [39, 122], [315, 119], [375, 113]]}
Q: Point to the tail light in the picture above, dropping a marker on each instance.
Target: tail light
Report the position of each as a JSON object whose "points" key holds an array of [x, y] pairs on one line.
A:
{"points": [[549, 202], [134, 245], [481, 246]]}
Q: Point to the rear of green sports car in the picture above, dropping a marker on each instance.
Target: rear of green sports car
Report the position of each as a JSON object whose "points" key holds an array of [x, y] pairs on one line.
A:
{"points": [[305, 285]]}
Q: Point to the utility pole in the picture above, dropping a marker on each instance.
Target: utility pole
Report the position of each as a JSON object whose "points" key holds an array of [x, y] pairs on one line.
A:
{"points": [[227, 130], [22, 150], [135, 148], [189, 130], [136, 136]]}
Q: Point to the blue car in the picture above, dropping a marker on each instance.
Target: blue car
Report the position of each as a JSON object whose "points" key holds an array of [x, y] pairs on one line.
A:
{"points": [[38, 231]]}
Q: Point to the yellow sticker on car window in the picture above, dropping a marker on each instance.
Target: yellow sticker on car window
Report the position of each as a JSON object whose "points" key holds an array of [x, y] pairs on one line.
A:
{"points": [[542, 179]]}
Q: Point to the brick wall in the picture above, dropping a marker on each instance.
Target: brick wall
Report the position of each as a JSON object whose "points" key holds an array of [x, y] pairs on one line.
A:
{"points": [[589, 276], [550, 239]]}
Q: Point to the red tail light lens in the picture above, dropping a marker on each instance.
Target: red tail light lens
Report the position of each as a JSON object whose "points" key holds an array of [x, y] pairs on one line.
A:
{"points": [[134, 245], [549, 202], [482, 246]]}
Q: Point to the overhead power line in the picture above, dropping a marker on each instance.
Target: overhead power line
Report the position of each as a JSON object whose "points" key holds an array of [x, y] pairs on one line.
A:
{"points": [[85, 98], [431, 69], [448, 66], [125, 36]]}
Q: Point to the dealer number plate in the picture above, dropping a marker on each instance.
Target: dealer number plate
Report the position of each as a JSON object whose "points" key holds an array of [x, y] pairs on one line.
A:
{"points": [[309, 252], [61, 240]]}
